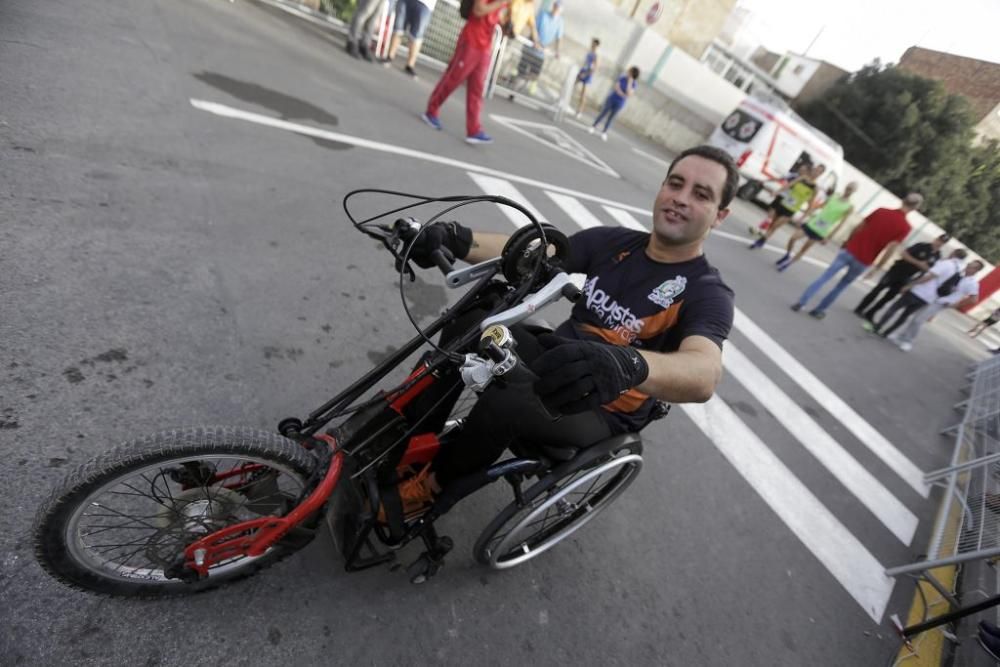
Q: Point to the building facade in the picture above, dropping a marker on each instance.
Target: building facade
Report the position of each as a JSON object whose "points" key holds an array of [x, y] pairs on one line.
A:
{"points": [[976, 80]]}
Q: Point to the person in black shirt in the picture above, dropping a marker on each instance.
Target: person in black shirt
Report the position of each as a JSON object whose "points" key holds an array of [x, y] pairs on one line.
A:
{"points": [[650, 327], [916, 259]]}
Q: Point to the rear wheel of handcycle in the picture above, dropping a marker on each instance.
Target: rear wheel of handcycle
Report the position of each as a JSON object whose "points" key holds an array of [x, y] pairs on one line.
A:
{"points": [[560, 503], [120, 523]]}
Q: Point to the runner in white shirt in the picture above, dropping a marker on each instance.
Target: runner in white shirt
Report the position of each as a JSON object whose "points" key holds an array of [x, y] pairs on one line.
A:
{"points": [[966, 292]]}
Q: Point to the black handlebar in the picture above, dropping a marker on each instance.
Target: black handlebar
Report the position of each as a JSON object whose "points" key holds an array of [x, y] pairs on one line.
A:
{"points": [[442, 261]]}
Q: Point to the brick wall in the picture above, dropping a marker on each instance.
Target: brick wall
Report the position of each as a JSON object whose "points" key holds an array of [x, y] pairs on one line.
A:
{"points": [[977, 80]]}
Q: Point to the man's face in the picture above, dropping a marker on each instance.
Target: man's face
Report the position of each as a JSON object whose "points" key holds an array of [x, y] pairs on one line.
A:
{"points": [[937, 243], [687, 205], [973, 268]]}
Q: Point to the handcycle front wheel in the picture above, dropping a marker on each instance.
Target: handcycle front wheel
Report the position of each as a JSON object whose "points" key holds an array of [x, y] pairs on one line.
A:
{"points": [[119, 524], [560, 503]]}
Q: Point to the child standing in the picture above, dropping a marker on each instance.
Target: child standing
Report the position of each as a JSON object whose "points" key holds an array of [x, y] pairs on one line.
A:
{"points": [[586, 74], [623, 89]]}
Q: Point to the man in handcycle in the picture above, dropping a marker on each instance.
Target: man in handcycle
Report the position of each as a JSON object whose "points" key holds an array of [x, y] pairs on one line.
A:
{"points": [[649, 328]]}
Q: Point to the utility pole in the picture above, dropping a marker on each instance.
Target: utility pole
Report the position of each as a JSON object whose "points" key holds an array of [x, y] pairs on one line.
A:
{"points": [[806, 52]]}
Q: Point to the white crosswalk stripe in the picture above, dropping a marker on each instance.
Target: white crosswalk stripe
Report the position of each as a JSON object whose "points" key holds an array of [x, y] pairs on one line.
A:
{"points": [[504, 188], [624, 218], [872, 494], [841, 553], [575, 210]]}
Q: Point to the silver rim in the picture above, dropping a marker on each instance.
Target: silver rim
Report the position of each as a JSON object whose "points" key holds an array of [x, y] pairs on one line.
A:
{"points": [[133, 526], [571, 503]]}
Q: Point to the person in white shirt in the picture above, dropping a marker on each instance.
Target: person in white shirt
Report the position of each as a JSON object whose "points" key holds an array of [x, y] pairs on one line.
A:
{"points": [[918, 294], [965, 293]]}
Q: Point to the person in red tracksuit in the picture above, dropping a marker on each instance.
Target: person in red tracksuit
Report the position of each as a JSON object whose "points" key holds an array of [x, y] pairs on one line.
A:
{"points": [[470, 63]]}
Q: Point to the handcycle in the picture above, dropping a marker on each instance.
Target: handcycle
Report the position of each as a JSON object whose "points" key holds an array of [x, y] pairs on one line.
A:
{"points": [[186, 510]]}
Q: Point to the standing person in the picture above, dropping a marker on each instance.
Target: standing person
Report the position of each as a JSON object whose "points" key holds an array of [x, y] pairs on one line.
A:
{"points": [[824, 224], [990, 320], [360, 31], [469, 64], [940, 280], [412, 16], [883, 229], [550, 27], [918, 258], [623, 89], [801, 193], [586, 74], [965, 293]]}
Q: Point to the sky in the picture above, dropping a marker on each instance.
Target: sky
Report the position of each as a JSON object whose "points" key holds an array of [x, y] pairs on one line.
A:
{"points": [[854, 32]]}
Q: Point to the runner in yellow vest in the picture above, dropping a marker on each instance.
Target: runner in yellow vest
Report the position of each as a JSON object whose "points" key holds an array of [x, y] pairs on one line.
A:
{"points": [[801, 195], [821, 226]]}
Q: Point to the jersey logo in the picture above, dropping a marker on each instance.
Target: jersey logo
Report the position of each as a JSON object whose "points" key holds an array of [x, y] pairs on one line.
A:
{"points": [[667, 292]]}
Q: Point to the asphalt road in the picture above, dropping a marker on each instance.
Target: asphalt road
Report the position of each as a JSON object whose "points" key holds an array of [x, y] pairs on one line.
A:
{"points": [[161, 265]]}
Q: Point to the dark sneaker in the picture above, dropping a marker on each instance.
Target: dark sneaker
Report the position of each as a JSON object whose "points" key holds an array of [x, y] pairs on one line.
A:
{"points": [[796, 307], [352, 49], [412, 72], [783, 266], [759, 243], [990, 644], [784, 259], [479, 138], [818, 314], [433, 121], [366, 53]]}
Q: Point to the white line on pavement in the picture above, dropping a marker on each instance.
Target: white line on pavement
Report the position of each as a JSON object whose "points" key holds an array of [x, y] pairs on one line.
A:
{"points": [[872, 494], [833, 404], [773, 248], [576, 211], [624, 218], [649, 156], [851, 564], [504, 188], [518, 125], [298, 128]]}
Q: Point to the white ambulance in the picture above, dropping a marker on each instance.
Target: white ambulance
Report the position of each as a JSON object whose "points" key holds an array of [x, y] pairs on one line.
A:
{"points": [[769, 141]]}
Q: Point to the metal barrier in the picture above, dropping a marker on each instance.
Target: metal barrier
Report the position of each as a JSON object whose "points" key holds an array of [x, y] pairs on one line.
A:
{"points": [[525, 73], [968, 525]]}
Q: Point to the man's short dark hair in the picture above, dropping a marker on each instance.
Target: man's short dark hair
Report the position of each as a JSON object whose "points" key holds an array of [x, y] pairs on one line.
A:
{"points": [[721, 157], [634, 71], [595, 42], [944, 238]]}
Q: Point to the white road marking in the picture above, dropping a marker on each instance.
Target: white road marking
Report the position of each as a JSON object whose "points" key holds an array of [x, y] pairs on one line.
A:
{"points": [[872, 494], [589, 159], [298, 128], [624, 218], [773, 248], [851, 564], [504, 188], [576, 211], [649, 156], [833, 404]]}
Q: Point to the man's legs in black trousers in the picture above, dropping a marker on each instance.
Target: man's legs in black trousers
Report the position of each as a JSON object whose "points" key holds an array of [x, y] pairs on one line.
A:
{"points": [[891, 288]]}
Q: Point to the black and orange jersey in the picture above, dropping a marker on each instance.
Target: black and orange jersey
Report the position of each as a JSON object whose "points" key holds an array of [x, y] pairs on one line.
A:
{"points": [[631, 299]]}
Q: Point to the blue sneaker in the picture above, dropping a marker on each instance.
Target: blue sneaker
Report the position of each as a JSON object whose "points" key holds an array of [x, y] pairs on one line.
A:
{"points": [[759, 243], [433, 121], [479, 138]]}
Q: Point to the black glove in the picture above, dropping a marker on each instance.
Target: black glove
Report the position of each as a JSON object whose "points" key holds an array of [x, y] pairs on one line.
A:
{"points": [[578, 375], [450, 237]]}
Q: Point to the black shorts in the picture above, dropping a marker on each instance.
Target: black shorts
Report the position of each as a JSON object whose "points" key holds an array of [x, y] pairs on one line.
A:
{"points": [[780, 209], [990, 321], [811, 234]]}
